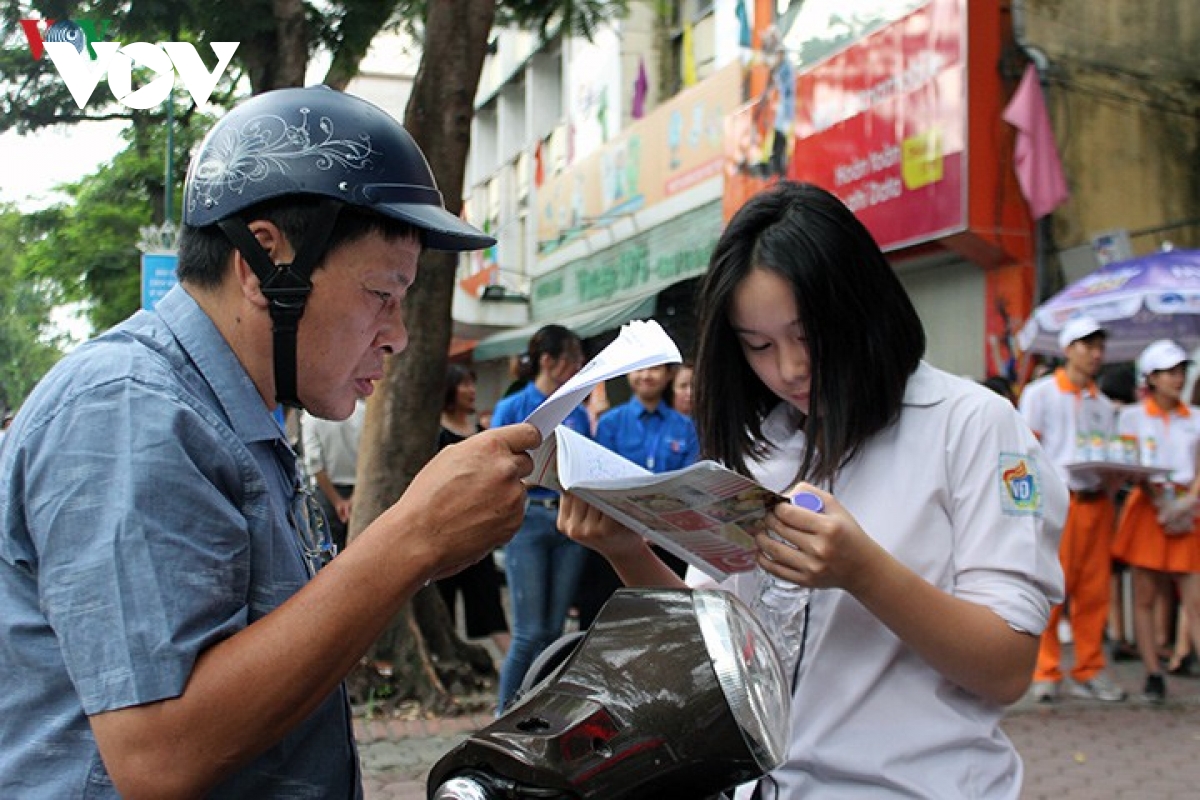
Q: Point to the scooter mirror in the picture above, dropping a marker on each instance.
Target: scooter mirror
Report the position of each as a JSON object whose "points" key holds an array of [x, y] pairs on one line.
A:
{"points": [[671, 693]]}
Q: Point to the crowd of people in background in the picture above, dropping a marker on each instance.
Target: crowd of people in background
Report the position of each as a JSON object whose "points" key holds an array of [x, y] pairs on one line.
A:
{"points": [[1131, 540]]}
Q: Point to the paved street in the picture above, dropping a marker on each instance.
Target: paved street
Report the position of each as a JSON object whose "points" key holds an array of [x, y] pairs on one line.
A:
{"points": [[1074, 750]]}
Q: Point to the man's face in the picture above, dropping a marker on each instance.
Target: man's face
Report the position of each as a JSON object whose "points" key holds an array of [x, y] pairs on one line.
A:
{"points": [[1087, 355], [649, 384], [353, 319]]}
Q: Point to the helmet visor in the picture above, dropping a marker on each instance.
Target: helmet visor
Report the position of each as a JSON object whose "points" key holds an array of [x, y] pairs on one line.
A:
{"points": [[422, 208]]}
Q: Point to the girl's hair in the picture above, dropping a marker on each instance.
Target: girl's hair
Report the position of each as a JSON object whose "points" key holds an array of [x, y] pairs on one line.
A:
{"points": [[551, 340], [863, 334], [456, 375]]}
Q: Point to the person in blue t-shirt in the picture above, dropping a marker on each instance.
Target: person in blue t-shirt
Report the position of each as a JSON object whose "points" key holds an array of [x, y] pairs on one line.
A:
{"points": [[653, 435], [543, 567]]}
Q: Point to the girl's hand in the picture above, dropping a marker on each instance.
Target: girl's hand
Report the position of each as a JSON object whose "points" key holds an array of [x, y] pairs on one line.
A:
{"points": [[628, 553], [596, 530], [820, 550]]}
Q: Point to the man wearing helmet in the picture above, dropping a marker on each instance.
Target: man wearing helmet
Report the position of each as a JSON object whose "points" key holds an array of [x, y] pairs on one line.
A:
{"points": [[164, 629]]}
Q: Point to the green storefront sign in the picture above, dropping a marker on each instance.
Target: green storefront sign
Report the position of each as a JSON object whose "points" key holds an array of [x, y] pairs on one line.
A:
{"points": [[641, 265]]}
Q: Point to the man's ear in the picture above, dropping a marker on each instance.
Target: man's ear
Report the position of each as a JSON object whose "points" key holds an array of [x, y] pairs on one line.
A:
{"points": [[272, 240]]}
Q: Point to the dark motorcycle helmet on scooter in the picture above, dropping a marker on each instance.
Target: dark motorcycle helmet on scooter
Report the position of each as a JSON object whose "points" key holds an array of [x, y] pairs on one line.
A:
{"points": [[314, 142]]}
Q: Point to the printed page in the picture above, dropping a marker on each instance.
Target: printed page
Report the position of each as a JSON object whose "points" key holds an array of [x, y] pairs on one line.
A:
{"points": [[640, 344], [568, 457], [706, 514], [583, 461]]}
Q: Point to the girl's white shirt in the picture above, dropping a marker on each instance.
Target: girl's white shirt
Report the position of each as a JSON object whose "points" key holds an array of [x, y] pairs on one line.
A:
{"points": [[958, 489]]}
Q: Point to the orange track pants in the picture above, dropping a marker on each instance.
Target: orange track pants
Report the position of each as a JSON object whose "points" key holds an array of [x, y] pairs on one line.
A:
{"points": [[1086, 556]]}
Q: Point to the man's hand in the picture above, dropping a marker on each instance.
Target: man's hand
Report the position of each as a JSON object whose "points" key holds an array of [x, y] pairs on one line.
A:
{"points": [[469, 499], [344, 508]]}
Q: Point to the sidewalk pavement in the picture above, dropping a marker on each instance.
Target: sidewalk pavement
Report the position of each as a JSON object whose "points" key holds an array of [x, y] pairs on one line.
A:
{"points": [[1073, 750]]}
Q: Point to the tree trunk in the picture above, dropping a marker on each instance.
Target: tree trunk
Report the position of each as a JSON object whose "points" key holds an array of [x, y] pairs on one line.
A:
{"points": [[276, 56], [400, 431]]}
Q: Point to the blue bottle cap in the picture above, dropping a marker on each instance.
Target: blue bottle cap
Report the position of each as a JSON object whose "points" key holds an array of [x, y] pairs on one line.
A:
{"points": [[808, 500]]}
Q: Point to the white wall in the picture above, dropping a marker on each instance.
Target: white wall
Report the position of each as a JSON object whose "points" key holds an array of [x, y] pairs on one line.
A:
{"points": [[951, 301]]}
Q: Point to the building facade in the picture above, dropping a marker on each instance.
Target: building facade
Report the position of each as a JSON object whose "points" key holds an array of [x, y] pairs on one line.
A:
{"points": [[606, 169]]}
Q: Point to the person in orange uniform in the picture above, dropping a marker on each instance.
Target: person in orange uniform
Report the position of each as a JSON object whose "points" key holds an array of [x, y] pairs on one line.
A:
{"points": [[1158, 535], [1074, 422]]}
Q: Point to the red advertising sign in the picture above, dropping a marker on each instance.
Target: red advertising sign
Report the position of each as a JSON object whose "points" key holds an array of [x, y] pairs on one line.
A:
{"points": [[882, 124]]}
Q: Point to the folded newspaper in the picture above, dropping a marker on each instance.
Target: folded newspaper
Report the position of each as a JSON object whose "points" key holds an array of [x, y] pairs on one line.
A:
{"points": [[705, 514]]}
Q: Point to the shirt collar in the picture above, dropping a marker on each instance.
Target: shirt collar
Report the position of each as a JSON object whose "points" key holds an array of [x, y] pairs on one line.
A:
{"points": [[926, 387], [218, 365], [1065, 385], [1153, 409], [641, 409], [533, 393]]}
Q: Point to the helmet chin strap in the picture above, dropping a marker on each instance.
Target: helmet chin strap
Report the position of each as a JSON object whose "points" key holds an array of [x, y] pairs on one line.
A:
{"points": [[286, 287]]}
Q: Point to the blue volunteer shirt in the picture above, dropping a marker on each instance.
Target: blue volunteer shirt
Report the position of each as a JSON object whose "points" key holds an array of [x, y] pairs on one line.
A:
{"points": [[519, 405], [661, 440], [144, 499]]}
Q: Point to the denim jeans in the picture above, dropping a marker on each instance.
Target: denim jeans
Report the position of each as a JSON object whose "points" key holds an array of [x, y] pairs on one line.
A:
{"points": [[543, 568]]}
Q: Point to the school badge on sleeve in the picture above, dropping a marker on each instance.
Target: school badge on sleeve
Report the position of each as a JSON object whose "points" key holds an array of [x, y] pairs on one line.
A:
{"points": [[1020, 485]]}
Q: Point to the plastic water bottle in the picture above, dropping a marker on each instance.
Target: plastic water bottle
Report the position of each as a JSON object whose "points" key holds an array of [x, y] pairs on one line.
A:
{"points": [[780, 604]]}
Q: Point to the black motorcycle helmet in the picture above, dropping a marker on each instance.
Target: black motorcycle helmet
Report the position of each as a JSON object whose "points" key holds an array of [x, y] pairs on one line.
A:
{"points": [[314, 142]]}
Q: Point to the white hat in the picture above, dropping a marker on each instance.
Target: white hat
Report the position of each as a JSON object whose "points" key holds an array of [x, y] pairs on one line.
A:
{"points": [[1078, 328], [1160, 355]]}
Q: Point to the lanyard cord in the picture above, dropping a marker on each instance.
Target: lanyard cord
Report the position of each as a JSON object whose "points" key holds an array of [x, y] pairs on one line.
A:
{"points": [[652, 445]]}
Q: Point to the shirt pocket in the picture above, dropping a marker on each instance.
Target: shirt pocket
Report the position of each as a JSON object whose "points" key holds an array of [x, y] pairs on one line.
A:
{"points": [[676, 450]]}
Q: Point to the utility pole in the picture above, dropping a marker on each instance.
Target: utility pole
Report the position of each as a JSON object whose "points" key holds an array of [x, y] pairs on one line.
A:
{"points": [[168, 179]]}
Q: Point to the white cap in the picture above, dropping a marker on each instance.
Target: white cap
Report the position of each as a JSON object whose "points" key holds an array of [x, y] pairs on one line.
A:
{"points": [[1160, 355], [1078, 328]]}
